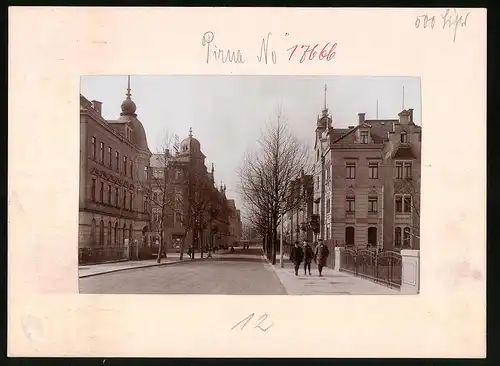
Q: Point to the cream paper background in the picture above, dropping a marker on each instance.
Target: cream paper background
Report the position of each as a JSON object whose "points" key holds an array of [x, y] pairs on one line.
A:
{"points": [[49, 48]]}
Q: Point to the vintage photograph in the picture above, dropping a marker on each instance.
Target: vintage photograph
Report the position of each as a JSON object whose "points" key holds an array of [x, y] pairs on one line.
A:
{"points": [[249, 185]]}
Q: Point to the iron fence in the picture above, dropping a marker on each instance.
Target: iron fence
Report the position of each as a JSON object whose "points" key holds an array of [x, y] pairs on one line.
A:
{"points": [[99, 255], [383, 267]]}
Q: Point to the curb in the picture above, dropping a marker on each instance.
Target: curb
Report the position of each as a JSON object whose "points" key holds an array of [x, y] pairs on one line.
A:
{"points": [[275, 272], [140, 267]]}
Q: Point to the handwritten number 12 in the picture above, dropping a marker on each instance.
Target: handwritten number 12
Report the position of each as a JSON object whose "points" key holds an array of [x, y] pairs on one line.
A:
{"points": [[245, 321]]}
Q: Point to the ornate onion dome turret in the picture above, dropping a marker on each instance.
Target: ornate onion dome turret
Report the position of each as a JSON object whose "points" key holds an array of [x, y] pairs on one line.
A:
{"points": [[128, 105]]}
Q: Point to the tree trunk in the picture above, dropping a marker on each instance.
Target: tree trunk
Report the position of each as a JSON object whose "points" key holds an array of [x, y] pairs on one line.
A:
{"points": [[160, 244], [201, 244]]}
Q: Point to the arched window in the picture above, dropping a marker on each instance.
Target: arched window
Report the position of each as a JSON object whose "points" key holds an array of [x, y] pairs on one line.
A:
{"points": [[109, 233], [407, 237], [117, 239], [349, 235], [101, 233], [124, 233], [397, 237], [404, 137], [92, 233], [372, 236]]}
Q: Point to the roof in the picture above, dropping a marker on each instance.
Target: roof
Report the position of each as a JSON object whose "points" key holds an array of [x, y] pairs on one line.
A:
{"points": [[404, 152]]}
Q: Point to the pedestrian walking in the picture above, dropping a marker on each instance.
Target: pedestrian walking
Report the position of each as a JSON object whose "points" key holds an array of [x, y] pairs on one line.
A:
{"points": [[296, 256], [321, 255], [308, 257]]}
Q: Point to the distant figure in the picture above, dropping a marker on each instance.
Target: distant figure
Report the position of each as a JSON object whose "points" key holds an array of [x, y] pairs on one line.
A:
{"points": [[320, 256], [232, 249], [308, 257], [296, 256], [190, 252]]}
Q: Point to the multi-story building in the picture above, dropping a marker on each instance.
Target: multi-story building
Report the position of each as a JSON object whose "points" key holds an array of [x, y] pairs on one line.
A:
{"points": [[367, 182], [235, 228], [114, 160], [295, 224], [182, 187]]}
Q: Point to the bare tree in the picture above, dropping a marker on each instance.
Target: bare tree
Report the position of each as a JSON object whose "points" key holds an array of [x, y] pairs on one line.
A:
{"points": [[266, 177], [160, 190]]}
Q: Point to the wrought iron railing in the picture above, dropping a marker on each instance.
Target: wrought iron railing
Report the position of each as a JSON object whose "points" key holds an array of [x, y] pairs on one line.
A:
{"points": [[101, 254], [384, 267]]}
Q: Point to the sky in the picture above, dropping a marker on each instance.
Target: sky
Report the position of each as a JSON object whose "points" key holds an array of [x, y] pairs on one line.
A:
{"points": [[228, 112]]}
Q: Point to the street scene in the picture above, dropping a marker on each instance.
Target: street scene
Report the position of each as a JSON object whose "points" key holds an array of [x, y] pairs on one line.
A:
{"points": [[249, 185]]}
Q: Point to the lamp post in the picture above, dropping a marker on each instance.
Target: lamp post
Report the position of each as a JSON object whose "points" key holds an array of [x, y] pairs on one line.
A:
{"points": [[281, 243]]}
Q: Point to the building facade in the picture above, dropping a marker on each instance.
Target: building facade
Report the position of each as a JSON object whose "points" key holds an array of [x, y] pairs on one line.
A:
{"points": [[367, 182], [295, 224], [235, 226], [114, 160], [183, 191]]}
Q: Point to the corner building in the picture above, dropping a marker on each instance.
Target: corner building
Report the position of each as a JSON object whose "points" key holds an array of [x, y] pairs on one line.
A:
{"points": [[114, 160], [367, 182]]}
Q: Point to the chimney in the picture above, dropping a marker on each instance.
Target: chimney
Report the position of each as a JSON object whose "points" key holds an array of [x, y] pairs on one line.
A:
{"points": [[97, 106], [404, 116], [361, 117], [411, 114]]}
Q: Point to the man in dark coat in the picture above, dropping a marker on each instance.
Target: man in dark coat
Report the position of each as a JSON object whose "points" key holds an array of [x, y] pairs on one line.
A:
{"points": [[308, 257], [321, 255], [296, 257]]}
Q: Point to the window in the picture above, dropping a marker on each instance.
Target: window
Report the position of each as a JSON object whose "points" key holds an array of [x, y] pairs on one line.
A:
{"points": [[109, 194], [146, 173], [158, 173], [372, 236], [372, 204], [178, 174], [93, 148], [406, 237], [407, 204], [92, 233], [131, 206], [328, 206], [350, 171], [399, 204], [92, 191], [101, 193], [373, 170], [399, 170], [125, 199], [404, 137], [155, 196], [110, 155], [407, 172], [349, 235], [317, 181], [117, 197], [178, 217], [117, 158], [397, 237], [109, 233], [117, 239], [101, 233], [101, 152], [124, 233], [327, 174], [403, 203], [125, 165], [317, 155], [145, 204], [131, 168], [350, 203], [364, 137]]}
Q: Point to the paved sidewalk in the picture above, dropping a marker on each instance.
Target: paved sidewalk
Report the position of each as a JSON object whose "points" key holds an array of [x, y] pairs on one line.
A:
{"points": [[101, 268], [332, 282]]}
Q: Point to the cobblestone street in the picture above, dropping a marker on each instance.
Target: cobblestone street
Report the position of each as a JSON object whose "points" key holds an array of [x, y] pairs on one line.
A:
{"points": [[244, 272]]}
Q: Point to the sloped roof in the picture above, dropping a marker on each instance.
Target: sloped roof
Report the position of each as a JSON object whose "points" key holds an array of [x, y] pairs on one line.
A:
{"points": [[404, 152]]}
